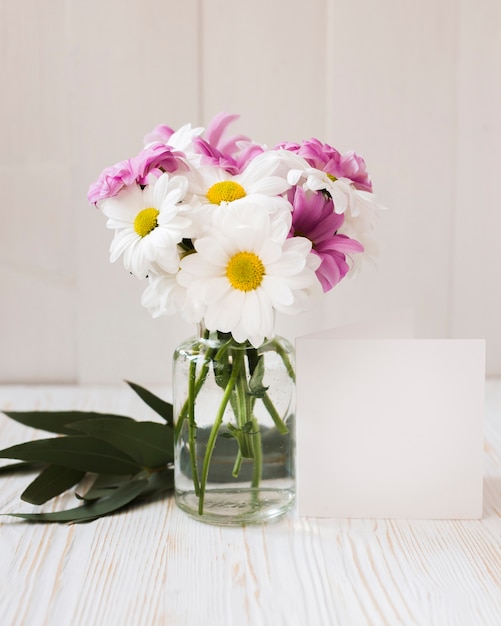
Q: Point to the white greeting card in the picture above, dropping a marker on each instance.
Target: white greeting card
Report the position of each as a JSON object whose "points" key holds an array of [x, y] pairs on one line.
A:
{"points": [[389, 428]]}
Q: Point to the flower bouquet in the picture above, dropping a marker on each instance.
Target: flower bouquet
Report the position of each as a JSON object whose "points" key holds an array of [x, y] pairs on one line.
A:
{"points": [[227, 232]]}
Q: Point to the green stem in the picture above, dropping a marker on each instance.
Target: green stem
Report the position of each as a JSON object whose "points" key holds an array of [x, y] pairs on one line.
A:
{"points": [[192, 426], [279, 423], [214, 431], [244, 416], [285, 358], [241, 404], [238, 463], [208, 358], [249, 442], [198, 385], [258, 456]]}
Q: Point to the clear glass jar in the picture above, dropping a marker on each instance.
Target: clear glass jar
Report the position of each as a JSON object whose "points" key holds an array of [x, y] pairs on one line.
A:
{"points": [[234, 411]]}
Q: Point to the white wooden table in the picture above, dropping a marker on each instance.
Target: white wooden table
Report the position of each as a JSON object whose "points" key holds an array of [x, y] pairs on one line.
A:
{"points": [[152, 565]]}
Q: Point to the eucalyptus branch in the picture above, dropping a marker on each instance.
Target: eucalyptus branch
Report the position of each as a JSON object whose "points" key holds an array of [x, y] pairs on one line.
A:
{"points": [[129, 459]]}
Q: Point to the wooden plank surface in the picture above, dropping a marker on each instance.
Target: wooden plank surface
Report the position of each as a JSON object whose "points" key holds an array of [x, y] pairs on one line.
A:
{"points": [[151, 565]]}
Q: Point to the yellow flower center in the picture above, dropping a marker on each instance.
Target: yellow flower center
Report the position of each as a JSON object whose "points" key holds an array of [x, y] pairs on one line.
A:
{"points": [[245, 271], [332, 177], [225, 191], [146, 221]]}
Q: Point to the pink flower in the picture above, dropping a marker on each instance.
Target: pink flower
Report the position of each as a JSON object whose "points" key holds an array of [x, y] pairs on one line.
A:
{"points": [[216, 131], [232, 153], [154, 159], [327, 159], [212, 156], [160, 133], [313, 217], [111, 181]]}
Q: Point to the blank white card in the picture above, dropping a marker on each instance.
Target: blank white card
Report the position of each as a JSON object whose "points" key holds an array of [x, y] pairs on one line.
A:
{"points": [[390, 428]]}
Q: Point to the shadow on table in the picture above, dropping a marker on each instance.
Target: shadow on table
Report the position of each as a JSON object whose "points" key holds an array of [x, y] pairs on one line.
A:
{"points": [[492, 497]]}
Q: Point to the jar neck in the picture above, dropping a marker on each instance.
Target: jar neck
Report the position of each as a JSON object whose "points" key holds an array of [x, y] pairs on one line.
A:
{"points": [[203, 333]]}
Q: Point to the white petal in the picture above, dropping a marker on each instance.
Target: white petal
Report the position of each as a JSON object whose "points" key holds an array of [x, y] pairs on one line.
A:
{"points": [[215, 289], [135, 261], [226, 314], [293, 176], [269, 186], [278, 291], [340, 193], [300, 245], [196, 266], [269, 252], [211, 249], [251, 313], [292, 161], [316, 181], [122, 240], [124, 206], [302, 280], [257, 316], [288, 264], [182, 138], [262, 166]]}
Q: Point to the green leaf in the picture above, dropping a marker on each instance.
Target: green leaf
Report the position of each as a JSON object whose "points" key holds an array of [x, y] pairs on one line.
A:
{"points": [[222, 369], [20, 468], [104, 485], [57, 421], [148, 443], [256, 386], [117, 448], [243, 437], [160, 481], [52, 481], [90, 511], [77, 452], [164, 409]]}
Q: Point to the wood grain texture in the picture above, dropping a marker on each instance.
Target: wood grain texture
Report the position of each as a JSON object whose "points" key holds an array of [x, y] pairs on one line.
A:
{"points": [[153, 566]]}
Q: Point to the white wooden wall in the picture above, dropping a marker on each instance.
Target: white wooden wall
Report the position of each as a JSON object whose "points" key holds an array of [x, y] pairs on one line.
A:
{"points": [[413, 87]]}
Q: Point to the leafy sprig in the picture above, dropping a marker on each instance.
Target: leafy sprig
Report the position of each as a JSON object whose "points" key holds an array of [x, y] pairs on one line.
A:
{"points": [[124, 459]]}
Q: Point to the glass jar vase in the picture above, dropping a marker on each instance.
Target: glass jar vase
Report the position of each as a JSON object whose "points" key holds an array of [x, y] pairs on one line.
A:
{"points": [[234, 408]]}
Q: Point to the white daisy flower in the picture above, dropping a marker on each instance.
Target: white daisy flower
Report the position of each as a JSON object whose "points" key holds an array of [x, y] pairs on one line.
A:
{"points": [[346, 197], [244, 269], [362, 228], [214, 188], [165, 296], [148, 224], [342, 190]]}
